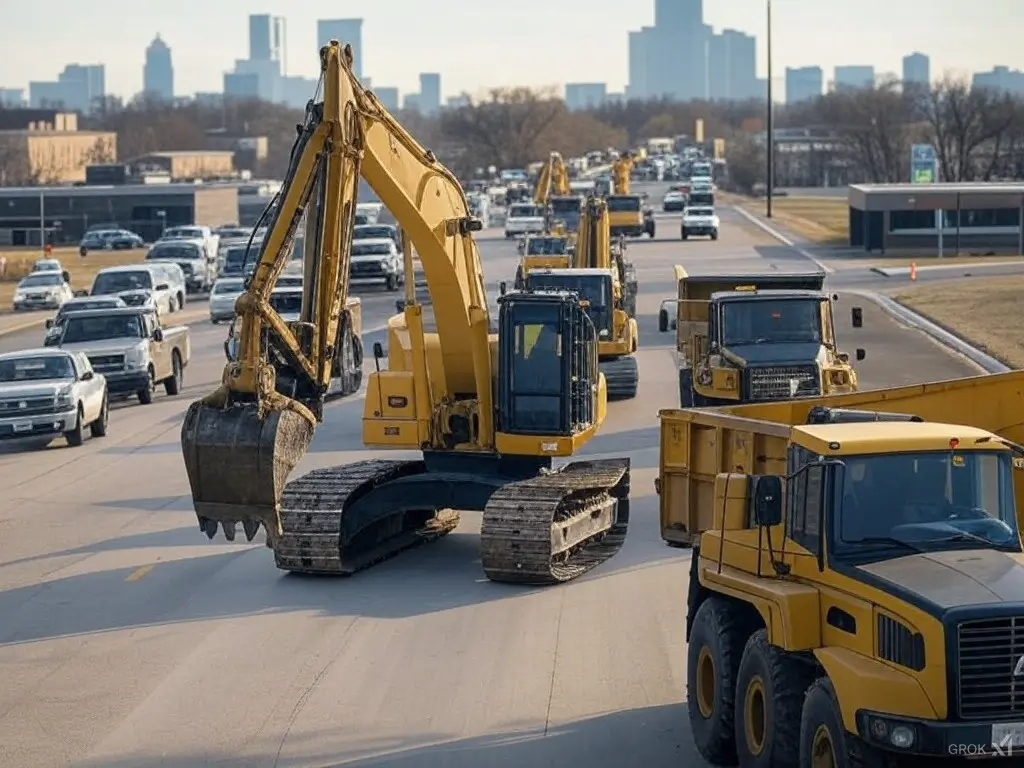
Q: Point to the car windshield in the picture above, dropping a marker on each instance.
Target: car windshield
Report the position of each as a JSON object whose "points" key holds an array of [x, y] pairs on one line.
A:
{"points": [[184, 232], [525, 211], [41, 281], [115, 282], [933, 500], [228, 286], [174, 251], [546, 246], [767, 321], [46, 266], [36, 368], [116, 326], [624, 203], [372, 232], [82, 306], [286, 303], [700, 212], [371, 249]]}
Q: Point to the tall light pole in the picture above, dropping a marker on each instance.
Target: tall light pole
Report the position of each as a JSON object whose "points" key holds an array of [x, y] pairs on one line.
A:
{"points": [[770, 173]]}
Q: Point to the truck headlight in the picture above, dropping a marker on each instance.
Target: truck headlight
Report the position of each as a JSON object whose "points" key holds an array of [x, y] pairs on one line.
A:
{"points": [[64, 398], [135, 358]]}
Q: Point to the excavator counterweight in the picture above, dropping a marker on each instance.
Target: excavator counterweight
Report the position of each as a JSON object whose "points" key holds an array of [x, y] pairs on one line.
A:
{"points": [[489, 406]]}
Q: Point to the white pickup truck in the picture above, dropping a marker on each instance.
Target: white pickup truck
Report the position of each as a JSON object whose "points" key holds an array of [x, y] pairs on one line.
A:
{"points": [[130, 348], [524, 219], [700, 221]]}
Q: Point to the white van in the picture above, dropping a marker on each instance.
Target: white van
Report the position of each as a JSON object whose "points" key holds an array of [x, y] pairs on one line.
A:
{"points": [[114, 281]]}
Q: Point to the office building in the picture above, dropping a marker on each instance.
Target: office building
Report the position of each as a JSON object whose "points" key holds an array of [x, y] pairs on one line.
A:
{"points": [[241, 85], [344, 31], [804, 84], [389, 98], [639, 54], [1001, 79], [430, 93], [266, 38], [585, 95], [158, 71], [79, 87], [852, 77], [12, 98], [455, 102], [917, 69], [732, 66], [678, 14], [411, 102]]}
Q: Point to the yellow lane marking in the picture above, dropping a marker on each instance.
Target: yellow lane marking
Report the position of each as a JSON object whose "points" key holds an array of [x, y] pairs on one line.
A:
{"points": [[139, 572]]}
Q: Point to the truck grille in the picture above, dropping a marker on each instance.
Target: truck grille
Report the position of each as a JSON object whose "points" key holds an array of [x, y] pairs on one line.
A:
{"points": [[106, 363], [989, 651], [772, 382], [367, 268], [29, 406]]}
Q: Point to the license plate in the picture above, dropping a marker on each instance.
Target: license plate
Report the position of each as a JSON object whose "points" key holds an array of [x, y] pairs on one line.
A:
{"points": [[1008, 735], [23, 426]]}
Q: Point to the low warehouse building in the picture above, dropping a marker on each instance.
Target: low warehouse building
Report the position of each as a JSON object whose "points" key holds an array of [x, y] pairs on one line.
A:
{"points": [[67, 213], [188, 164], [975, 217]]}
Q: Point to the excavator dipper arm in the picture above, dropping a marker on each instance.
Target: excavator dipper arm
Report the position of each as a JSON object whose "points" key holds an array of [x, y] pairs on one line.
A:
{"points": [[449, 391]]}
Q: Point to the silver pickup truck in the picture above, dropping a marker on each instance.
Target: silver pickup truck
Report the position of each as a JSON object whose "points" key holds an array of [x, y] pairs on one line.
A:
{"points": [[130, 348]]}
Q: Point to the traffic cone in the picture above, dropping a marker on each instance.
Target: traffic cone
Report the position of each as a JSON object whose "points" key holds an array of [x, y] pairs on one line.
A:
{"points": [[913, 270]]}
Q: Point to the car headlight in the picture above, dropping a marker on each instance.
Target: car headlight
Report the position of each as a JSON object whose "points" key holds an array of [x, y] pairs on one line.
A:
{"points": [[135, 357], [64, 397]]}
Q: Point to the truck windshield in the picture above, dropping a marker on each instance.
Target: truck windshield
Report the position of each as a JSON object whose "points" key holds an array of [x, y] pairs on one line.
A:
{"points": [[370, 249], [771, 321], [546, 246], [927, 500], [115, 282], [624, 203], [36, 368], [594, 289], [79, 329], [174, 251], [525, 212], [40, 281], [700, 211], [565, 205]]}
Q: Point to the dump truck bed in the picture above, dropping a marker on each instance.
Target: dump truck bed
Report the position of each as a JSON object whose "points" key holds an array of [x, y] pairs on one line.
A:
{"points": [[696, 445]]}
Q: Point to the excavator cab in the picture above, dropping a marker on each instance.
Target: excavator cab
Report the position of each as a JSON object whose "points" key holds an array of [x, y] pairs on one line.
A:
{"points": [[547, 364]]}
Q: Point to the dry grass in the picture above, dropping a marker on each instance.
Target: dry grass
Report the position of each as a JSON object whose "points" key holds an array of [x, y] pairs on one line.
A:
{"points": [[20, 261], [985, 311], [822, 220]]}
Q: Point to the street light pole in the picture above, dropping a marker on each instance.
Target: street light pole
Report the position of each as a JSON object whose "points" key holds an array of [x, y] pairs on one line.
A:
{"points": [[770, 171]]}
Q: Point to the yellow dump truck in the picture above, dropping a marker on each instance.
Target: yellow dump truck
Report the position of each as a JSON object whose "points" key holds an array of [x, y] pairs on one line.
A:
{"points": [[758, 337], [551, 250], [856, 590]]}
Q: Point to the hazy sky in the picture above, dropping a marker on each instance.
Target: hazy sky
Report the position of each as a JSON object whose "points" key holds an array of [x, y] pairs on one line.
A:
{"points": [[479, 43]]}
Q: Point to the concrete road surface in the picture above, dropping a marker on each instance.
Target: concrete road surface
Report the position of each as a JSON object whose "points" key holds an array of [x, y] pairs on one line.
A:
{"points": [[127, 639]]}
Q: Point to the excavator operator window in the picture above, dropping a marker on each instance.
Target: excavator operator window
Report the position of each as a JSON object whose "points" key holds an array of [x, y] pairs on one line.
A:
{"points": [[539, 352]]}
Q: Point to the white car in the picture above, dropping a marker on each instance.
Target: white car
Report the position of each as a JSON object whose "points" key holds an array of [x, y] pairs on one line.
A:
{"points": [[130, 279], [523, 219], [42, 290], [376, 261], [674, 200], [700, 221], [49, 392], [223, 297]]}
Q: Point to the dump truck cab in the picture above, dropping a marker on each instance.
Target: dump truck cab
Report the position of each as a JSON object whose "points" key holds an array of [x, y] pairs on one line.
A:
{"points": [[565, 211], [755, 338], [629, 217], [857, 583]]}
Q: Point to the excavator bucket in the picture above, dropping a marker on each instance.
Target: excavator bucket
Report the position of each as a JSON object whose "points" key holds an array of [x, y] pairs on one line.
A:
{"points": [[238, 465]]}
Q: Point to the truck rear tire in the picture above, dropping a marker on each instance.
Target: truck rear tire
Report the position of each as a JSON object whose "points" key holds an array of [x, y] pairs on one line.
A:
{"points": [[713, 660], [770, 688], [662, 320], [172, 386], [686, 388]]}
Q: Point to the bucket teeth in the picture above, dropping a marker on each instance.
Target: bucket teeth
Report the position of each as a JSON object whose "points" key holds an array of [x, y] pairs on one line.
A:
{"points": [[208, 526], [251, 528], [230, 528]]}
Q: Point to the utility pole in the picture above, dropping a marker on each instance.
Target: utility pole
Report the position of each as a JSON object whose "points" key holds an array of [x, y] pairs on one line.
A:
{"points": [[770, 174]]}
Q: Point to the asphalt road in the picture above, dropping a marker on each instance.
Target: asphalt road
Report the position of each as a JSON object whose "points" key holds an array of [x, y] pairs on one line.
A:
{"points": [[127, 639]]}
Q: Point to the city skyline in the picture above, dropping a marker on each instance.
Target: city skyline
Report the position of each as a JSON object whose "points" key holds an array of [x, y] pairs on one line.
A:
{"points": [[395, 54]]}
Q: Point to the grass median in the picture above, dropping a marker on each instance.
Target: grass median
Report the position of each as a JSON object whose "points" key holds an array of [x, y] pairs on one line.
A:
{"points": [[83, 270], [822, 220], [983, 310]]}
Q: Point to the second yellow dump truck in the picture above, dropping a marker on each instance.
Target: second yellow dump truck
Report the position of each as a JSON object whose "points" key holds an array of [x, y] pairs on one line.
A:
{"points": [[756, 337], [856, 589]]}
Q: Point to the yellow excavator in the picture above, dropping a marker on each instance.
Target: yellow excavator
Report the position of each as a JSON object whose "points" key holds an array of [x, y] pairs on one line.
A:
{"points": [[553, 180], [606, 284], [630, 217], [490, 409]]}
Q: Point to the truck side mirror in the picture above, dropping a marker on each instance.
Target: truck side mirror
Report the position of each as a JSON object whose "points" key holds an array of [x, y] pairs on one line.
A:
{"points": [[503, 287], [857, 317], [378, 350], [766, 499], [861, 354], [49, 322], [158, 334]]}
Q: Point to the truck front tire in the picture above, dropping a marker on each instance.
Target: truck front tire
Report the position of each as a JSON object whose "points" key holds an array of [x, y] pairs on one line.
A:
{"points": [[822, 731], [76, 436]]}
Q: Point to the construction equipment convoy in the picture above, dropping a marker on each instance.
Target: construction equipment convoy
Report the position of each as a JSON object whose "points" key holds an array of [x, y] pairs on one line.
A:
{"points": [[606, 283], [749, 338], [489, 411], [856, 592]]}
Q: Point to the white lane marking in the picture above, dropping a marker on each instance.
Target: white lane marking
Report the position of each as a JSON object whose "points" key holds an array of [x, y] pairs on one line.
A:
{"points": [[784, 240]]}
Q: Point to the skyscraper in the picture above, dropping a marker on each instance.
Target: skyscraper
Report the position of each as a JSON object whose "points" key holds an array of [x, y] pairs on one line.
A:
{"points": [[158, 71], [678, 14], [917, 69], [430, 93], [266, 38], [804, 84], [854, 76], [79, 87], [344, 31], [732, 66], [639, 53]]}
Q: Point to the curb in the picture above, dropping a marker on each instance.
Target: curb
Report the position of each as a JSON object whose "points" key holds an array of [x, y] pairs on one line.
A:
{"points": [[943, 336], [783, 239], [905, 271]]}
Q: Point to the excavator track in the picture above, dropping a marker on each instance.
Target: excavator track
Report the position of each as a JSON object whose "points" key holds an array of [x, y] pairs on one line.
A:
{"points": [[312, 511], [621, 375], [524, 521]]}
